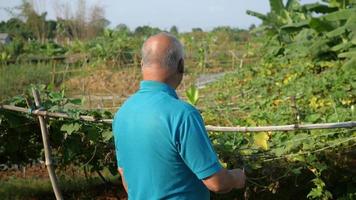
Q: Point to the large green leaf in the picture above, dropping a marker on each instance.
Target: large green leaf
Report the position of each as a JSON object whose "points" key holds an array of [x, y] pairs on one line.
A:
{"points": [[349, 54], [320, 25], [319, 47], [340, 15], [336, 32], [292, 4], [70, 128], [351, 23], [341, 47], [107, 135], [256, 14], [341, 4], [349, 65], [319, 8], [296, 26], [353, 40], [276, 6], [305, 37]]}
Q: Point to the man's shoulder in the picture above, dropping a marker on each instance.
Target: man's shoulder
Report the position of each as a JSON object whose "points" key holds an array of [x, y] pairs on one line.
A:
{"points": [[182, 106], [164, 104]]}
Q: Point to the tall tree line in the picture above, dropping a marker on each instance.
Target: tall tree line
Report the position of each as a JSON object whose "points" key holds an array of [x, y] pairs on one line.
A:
{"points": [[81, 23]]}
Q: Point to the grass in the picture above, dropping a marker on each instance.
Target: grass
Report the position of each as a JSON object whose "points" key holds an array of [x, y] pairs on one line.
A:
{"points": [[15, 78], [72, 188]]}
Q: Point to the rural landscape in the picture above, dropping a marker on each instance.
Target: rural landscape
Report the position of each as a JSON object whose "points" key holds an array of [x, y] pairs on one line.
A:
{"points": [[278, 99]]}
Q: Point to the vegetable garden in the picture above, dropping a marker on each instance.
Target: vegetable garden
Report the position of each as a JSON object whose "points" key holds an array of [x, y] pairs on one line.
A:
{"points": [[297, 68]]}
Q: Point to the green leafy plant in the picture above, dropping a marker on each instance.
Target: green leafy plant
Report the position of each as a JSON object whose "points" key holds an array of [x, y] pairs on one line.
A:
{"points": [[4, 57], [73, 142], [192, 95]]}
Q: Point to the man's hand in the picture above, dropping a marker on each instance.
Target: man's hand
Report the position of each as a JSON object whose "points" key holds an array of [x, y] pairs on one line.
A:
{"points": [[239, 178], [121, 171], [226, 180]]}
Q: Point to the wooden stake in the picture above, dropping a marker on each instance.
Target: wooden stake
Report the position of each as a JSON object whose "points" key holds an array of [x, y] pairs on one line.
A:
{"points": [[47, 148]]}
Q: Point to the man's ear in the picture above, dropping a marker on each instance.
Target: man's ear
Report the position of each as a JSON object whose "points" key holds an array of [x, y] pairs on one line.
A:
{"points": [[181, 66]]}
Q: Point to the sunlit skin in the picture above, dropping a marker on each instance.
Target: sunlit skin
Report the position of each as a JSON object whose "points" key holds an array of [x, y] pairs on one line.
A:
{"points": [[154, 71]]}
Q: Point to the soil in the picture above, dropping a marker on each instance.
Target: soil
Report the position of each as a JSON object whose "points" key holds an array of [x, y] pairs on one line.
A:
{"points": [[101, 191], [35, 171], [113, 86], [108, 89], [120, 82]]}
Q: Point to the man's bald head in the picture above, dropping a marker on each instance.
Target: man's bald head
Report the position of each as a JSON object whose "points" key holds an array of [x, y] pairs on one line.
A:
{"points": [[162, 59], [162, 50]]}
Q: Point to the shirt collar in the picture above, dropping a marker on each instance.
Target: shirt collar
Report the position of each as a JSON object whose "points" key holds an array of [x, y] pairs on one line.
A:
{"points": [[157, 86]]}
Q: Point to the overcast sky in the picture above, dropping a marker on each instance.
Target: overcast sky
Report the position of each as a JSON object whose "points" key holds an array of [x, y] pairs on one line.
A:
{"points": [[185, 14]]}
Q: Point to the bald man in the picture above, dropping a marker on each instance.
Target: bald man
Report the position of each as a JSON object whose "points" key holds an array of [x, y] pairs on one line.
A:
{"points": [[162, 147]]}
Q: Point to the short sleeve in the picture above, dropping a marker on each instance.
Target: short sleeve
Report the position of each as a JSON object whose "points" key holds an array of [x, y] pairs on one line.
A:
{"points": [[195, 147]]}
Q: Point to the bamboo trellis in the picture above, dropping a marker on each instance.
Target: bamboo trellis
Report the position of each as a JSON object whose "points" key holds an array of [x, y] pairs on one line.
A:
{"points": [[40, 113], [47, 148], [293, 127]]}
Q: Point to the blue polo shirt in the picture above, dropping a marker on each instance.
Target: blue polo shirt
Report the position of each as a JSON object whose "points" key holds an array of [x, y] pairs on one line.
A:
{"points": [[162, 146]]}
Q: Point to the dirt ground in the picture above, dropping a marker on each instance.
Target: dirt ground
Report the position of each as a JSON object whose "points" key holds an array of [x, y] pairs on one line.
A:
{"points": [[100, 191], [120, 82], [107, 89], [37, 171], [112, 86]]}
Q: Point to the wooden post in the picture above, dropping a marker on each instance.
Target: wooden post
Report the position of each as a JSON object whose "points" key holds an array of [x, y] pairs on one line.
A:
{"points": [[53, 81], [47, 148]]}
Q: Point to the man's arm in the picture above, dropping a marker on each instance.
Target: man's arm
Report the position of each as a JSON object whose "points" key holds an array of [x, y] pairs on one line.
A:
{"points": [[198, 153], [121, 171], [225, 180]]}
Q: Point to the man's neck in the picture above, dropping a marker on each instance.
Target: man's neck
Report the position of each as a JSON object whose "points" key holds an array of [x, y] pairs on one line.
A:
{"points": [[162, 81], [159, 74]]}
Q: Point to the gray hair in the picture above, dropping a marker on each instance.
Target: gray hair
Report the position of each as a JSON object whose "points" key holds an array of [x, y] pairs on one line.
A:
{"points": [[170, 58]]}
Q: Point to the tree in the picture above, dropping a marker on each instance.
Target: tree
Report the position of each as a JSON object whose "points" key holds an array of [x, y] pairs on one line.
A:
{"points": [[16, 28], [122, 28], [174, 30], [197, 30], [34, 21], [80, 20], [97, 22], [252, 26], [146, 30], [82, 23]]}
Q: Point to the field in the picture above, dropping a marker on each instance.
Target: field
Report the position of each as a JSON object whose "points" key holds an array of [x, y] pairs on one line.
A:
{"points": [[296, 68]]}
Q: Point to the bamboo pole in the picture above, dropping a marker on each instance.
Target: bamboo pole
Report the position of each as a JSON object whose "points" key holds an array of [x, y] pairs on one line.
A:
{"points": [[294, 127], [52, 114], [47, 148]]}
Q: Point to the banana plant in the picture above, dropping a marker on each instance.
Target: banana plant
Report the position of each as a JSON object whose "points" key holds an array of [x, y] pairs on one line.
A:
{"points": [[329, 35], [192, 95], [337, 31], [280, 14], [341, 4]]}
